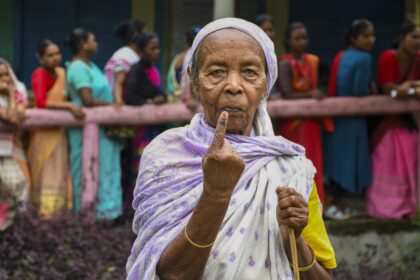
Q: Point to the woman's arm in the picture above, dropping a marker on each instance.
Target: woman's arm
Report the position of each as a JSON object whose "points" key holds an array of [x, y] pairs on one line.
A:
{"points": [[285, 83], [182, 259], [118, 88], [74, 109], [88, 99]]}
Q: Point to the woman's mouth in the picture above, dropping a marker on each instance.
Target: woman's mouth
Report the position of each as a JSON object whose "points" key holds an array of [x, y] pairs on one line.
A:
{"points": [[233, 110]]}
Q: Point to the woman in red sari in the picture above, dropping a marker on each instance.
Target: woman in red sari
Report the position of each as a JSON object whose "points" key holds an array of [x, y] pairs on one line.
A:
{"points": [[50, 173], [393, 193], [298, 78]]}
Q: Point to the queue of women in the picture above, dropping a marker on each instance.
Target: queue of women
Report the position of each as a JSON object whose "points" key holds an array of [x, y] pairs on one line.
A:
{"points": [[205, 191]]}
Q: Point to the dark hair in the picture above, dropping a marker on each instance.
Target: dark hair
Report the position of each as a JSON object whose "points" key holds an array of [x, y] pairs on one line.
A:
{"points": [[128, 29], [141, 41], [354, 29], [191, 33], [407, 27], [42, 46], [288, 34], [75, 38], [261, 19]]}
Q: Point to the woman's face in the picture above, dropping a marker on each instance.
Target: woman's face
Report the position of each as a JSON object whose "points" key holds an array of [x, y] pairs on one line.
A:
{"points": [[91, 46], [365, 40], [5, 77], [268, 28], [231, 78], [411, 41], [299, 40], [52, 57], [152, 51]]}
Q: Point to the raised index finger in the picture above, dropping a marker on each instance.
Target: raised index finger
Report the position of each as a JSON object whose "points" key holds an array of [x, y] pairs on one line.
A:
{"points": [[220, 131]]}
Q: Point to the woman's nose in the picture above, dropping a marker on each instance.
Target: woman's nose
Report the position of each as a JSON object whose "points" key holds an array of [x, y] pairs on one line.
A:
{"points": [[233, 83]]}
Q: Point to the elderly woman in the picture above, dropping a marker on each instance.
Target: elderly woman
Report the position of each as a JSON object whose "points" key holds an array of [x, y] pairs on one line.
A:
{"points": [[208, 199]]}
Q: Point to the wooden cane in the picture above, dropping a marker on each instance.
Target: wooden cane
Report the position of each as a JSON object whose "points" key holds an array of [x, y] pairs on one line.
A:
{"points": [[293, 250]]}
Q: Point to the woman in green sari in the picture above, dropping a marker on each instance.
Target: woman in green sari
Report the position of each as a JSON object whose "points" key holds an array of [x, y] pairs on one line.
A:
{"points": [[87, 86]]}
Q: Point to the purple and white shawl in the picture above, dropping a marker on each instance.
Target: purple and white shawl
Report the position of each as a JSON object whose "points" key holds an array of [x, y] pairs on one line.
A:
{"points": [[170, 183]]}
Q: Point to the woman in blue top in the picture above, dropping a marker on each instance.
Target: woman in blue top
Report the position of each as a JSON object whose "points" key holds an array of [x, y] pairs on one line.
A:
{"points": [[346, 150], [87, 86]]}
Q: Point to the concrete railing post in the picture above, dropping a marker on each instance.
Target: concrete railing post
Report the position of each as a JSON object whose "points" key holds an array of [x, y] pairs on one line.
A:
{"points": [[90, 165]]}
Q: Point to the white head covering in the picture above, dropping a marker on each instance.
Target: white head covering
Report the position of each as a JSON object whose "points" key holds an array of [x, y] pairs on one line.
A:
{"points": [[262, 122], [18, 85]]}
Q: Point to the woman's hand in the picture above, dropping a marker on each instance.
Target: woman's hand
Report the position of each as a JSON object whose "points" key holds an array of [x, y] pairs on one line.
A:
{"points": [[403, 88], [159, 100], [4, 88], [20, 110], [11, 116], [222, 165], [292, 211], [416, 85], [118, 104], [317, 94], [77, 112]]}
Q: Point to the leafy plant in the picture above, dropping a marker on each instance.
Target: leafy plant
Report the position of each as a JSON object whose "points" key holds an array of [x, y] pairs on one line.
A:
{"points": [[68, 246]]}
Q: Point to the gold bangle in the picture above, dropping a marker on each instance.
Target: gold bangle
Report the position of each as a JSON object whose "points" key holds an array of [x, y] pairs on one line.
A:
{"points": [[195, 244], [307, 268]]}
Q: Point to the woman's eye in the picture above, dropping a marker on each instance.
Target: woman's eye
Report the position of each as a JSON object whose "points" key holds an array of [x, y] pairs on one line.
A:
{"points": [[250, 72], [217, 73]]}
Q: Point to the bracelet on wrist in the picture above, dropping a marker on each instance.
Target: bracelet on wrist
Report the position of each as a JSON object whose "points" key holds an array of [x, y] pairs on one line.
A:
{"points": [[307, 268], [196, 244]]}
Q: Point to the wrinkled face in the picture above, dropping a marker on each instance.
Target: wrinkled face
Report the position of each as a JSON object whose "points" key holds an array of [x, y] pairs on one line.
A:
{"points": [[231, 78], [152, 51], [52, 57], [365, 40], [91, 46], [5, 78], [411, 41], [299, 40], [268, 28]]}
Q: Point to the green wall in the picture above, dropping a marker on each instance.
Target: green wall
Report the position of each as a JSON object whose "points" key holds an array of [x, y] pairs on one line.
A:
{"points": [[6, 29]]}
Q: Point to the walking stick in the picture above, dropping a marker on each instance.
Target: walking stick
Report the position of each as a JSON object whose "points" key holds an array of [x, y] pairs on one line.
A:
{"points": [[293, 250]]}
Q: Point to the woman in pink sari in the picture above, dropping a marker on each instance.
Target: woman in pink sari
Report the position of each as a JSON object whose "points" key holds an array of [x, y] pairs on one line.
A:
{"points": [[393, 193]]}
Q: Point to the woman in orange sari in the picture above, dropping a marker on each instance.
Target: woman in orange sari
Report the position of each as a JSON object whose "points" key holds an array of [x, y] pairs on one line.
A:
{"points": [[298, 78], [49, 165]]}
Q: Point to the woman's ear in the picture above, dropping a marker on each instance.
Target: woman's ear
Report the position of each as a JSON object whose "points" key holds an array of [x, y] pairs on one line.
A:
{"points": [[263, 93], [85, 46], [195, 89]]}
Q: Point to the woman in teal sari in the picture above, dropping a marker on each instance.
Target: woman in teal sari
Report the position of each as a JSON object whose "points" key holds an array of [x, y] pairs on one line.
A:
{"points": [[87, 86]]}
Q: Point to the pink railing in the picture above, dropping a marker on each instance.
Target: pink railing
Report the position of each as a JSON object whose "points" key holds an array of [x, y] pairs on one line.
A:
{"points": [[151, 114]]}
